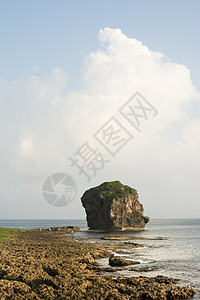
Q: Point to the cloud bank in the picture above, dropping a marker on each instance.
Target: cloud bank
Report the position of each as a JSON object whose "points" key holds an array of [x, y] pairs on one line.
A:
{"points": [[43, 122]]}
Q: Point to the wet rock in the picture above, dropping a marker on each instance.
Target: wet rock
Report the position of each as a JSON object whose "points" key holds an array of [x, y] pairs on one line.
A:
{"points": [[134, 245], [141, 269], [127, 237], [103, 269], [120, 261], [62, 229], [164, 279], [74, 228], [118, 251]]}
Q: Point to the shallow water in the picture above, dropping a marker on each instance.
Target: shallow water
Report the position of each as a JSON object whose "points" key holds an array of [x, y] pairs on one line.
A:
{"points": [[178, 256], [34, 224]]}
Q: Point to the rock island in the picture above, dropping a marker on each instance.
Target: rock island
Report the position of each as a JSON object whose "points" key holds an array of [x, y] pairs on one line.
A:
{"points": [[113, 205]]}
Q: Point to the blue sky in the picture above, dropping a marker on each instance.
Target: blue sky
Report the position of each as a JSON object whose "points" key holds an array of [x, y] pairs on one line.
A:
{"points": [[41, 35], [68, 66]]}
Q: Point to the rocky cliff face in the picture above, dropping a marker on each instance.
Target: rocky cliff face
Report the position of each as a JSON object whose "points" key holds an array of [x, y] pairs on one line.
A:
{"points": [[113, 205]]}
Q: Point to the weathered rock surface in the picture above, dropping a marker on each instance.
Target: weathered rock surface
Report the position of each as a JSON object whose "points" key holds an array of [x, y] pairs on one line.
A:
{"points": [[127, 237], [141, 269], [47, 265], [113, 205], [118, 261], [134, 245], [68, 229]]}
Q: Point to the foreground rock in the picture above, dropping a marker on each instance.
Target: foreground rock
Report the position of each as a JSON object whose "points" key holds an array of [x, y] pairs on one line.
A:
{"points": [[118, 261], [47, 265], [67, 229], [134, 245], [126, 237], [113, 205], [141, 270], [153, 288]]}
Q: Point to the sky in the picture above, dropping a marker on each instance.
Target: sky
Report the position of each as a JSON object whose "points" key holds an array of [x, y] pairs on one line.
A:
{"points": [[67, 70]]}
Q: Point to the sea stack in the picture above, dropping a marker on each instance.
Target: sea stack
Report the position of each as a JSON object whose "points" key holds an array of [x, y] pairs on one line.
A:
{"points": [[113, 205]]}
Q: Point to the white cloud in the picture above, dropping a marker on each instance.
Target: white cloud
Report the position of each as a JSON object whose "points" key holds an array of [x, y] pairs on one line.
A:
{"points": [[42, 124], [26, 147]]}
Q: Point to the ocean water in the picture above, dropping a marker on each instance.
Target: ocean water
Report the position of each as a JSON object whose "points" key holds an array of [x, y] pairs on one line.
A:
{"points": [[34, 224], [177, 256]]}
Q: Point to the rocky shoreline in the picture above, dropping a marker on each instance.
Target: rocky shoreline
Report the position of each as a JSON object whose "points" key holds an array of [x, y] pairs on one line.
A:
{"points": [[45, 264]]}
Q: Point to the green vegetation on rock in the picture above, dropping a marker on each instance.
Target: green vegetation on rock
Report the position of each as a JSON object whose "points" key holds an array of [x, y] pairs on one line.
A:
{"points": [[115, 190], [5, 233]]}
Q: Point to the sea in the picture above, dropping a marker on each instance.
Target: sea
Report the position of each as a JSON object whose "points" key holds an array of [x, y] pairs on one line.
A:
{"points": [[175, 252]]}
